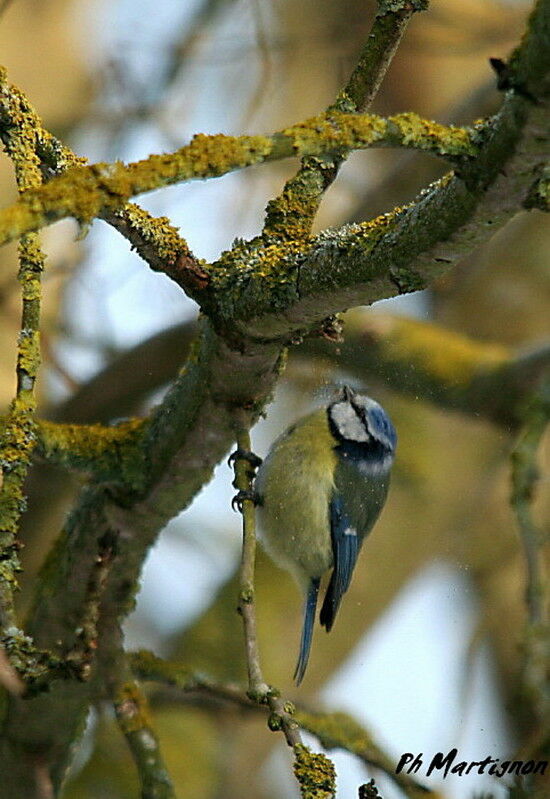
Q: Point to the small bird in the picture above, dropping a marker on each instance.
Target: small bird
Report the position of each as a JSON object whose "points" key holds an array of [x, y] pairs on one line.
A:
{"points": [[319, 492]]}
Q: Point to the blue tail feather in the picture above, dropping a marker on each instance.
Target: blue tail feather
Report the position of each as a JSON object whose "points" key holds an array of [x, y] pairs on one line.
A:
{"points": [[307, 630]]}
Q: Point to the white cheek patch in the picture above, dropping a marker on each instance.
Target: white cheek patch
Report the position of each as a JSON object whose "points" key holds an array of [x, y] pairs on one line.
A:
{"points": [[348, 423], [350, 531], [375, 468]]}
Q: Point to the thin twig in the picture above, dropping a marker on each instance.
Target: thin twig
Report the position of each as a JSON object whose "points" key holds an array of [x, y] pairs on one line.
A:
{"points": [[258, 690], [389, 26], [82, 654], [131, 709], [133, 717], [17, 440], [146, 665], [334, 730], [314, 176]]}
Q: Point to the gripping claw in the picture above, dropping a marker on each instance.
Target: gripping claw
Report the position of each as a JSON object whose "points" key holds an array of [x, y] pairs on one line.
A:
{"points": [[240, 497], [244, 455]]}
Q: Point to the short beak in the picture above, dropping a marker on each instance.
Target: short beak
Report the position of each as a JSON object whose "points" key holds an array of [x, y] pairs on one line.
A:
{"points": [[348, 394]]}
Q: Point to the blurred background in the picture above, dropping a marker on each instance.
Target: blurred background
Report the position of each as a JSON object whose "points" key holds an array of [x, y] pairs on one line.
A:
{"points": [[426, 649]]}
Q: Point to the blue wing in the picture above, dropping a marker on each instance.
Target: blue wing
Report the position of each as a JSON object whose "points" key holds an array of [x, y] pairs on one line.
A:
{"points": [[345, 547]]}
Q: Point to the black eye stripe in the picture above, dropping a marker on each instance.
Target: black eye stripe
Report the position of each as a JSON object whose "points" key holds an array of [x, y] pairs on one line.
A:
{"points": [[361, 415]]}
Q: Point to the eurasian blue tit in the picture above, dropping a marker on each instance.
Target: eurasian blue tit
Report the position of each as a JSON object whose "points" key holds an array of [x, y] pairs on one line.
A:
{"points": [[320, 490]]}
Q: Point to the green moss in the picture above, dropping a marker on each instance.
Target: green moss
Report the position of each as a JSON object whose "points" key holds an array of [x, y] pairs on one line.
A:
{"points": [[315, 774], [108, 453]]}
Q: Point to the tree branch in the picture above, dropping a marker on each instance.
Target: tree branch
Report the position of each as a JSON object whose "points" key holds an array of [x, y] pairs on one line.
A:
{"points": [[154, 239], [86, 192], [17, 440], [291, 214], [334, 730], [281, 712]]}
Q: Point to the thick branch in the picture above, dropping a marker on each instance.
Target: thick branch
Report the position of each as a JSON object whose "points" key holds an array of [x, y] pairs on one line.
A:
{"points": [[397, 253], [183, 447]]}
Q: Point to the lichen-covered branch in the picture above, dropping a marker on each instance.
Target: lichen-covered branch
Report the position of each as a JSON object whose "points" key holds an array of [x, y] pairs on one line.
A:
{"points": [[217, 383], [275, 289], [133, 719], [342, 731], [291, 214], [17, 439], [258, 298], [154, 239], [87, 192], [334, 730], [132, 714]]}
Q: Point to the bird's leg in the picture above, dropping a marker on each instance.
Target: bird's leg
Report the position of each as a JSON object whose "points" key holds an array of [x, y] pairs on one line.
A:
{"points": [[253, 462]]}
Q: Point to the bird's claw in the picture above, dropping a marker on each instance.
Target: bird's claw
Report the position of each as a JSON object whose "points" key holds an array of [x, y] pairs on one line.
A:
{"points": [[240, 497], [244, 455]]}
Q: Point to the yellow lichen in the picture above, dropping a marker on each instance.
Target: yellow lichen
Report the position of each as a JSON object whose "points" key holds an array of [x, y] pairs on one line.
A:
{"points": [[425, 134], [29, 351], [315, 774], [130, 708]]}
